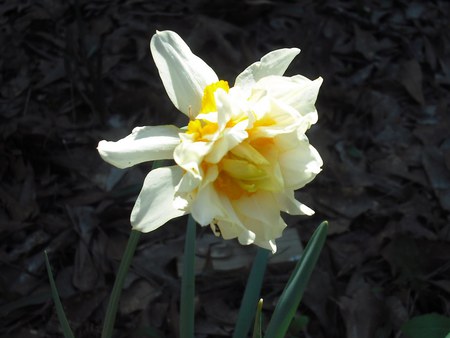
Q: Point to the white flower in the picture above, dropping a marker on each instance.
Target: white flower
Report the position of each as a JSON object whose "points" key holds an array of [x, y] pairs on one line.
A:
{"points": [[241, 156]]}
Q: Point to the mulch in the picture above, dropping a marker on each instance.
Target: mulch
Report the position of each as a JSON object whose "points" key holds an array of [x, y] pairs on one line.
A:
{"points": [[76, 72]]}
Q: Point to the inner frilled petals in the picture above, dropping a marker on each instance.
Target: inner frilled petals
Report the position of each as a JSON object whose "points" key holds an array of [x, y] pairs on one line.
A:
{"points": [[208, 100], [246, 168]]}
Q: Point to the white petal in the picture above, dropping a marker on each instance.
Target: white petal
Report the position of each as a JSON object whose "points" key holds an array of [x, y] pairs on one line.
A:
{"points": [[273, 63], [298, 92], [261, 215], [154, 205], [286, 120], [183, 74], [142, 145], [229, 230], [300, 165], [246, 237], [289, 204], [189, 155], [207, 206]]}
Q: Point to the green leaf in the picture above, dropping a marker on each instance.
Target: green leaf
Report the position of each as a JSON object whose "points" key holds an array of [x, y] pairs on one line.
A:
{"points": [[59, 308], [251, 294], [257, 328], [187, 306], [298, 324], [113, 304], [431, 325], [293, 292]]}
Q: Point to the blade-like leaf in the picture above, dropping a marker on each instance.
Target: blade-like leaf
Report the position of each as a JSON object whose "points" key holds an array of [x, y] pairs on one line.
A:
{"points": [[251, 294], [431, 325], [113, 304], [257, 328], [59, 308], [293, 292]]}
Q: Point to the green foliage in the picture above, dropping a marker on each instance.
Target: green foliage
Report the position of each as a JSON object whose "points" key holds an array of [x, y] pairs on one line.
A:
{"points": [[257, 328], [111, 310], [59, 308], [431, 325], [251, 294], [298, 324], [293, 292]]}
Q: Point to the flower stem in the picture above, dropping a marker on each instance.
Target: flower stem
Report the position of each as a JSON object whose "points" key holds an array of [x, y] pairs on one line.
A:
{"points": [[111, 311], [251, 294], [187, 306]]}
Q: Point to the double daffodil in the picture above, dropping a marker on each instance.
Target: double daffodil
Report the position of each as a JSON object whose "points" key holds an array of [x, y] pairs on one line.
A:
{"points": [[241, 156]]}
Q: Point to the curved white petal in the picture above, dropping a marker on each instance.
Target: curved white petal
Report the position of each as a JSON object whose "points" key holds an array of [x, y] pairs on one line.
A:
{"points": [[154, 205], [260, 215], [300, 165], [142, 145], [273, 63], [207, 206], [290, 205], [246, 237], [189, 155], [298, 92], [183, 74]]}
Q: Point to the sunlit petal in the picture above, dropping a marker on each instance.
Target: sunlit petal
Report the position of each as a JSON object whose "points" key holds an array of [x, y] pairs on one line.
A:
{"points": [[154, 205], [142, 145], [183, 74], [273, 63]]}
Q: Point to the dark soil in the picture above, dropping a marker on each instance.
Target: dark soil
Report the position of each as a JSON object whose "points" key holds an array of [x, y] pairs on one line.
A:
{"points": [[76, 72]]}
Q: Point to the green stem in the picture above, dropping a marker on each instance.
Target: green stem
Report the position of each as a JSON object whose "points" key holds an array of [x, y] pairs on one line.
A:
{"points": [[111, 311], [187, 305], [251, 294]]}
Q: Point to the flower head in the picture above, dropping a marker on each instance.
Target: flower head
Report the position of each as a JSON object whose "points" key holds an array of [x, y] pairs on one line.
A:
{"points": [[242, 154]]}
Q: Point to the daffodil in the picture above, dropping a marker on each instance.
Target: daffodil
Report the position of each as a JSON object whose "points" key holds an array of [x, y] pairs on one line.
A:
{"points": [[240, 158]]}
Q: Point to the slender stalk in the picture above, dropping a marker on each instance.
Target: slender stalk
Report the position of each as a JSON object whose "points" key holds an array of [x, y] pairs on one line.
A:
{"points": [[187, 305], [251, 294], [59, 308], [111, 311]]}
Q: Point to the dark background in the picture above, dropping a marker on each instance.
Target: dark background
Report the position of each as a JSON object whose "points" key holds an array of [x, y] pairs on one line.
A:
{"points": [[76, 72]]}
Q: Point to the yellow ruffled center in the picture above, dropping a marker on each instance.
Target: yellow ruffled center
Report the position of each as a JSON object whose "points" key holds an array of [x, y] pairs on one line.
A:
{"points": [[208, 100], [247, 168]]}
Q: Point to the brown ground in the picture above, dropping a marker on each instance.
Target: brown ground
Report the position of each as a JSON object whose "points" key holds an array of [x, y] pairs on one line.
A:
{"points": [[77, 72]]}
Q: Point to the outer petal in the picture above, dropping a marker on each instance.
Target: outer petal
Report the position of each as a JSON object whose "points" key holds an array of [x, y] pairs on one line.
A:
{"points": [[289, 204], [143, 144], [260, 216], [300, 165], [154, 205], [298, 92], [273, 63], [183, 74]]}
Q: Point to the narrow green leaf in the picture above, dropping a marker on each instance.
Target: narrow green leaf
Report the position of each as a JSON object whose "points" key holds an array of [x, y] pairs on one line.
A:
{"points": [[111, 310], [59, 308], [293, 292], [431, 325], [251, 294], [187, 306], [257, 328]]}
